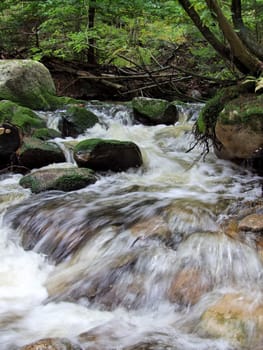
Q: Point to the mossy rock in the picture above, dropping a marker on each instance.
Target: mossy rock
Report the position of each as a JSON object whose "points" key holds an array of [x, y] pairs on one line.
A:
{"points": [[45, 134], [35, 153], [28, 83], [239, 127], [61, 179], [103, 155], [154, 111], [207, 119], [22, 117], [75, 120], [246, 109]]}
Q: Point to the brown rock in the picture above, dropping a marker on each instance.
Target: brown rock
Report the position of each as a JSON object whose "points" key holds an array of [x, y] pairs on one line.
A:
{"points": [[51, 344], [253, 222], [188, 287], [154, 226], [235, 317]]}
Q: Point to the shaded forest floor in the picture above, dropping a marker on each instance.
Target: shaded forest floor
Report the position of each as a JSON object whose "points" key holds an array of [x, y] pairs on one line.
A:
{"points": [[174, 76]]}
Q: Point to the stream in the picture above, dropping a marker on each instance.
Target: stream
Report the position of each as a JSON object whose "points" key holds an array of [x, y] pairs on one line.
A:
{"points": [[137, 260]]}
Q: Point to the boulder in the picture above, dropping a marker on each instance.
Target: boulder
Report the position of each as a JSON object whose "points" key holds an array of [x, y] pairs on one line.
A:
{"points": [[239, 128], [10, 140], [52, 344], [45, 134], [44, 226], [252, 222], [153, 227], [104, 155], [76, 120], [28, 83], [236, 318], [150, 111], [35, 153], [22, 117], [188, 286], [61, 179]]}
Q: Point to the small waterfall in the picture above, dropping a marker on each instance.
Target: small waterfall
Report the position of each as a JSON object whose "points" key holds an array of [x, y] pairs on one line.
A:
{"points": [[138, 260]]}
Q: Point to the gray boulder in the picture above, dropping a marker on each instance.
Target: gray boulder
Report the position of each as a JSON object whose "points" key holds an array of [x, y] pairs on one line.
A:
{"points": [[28, 83], [60, 179]]}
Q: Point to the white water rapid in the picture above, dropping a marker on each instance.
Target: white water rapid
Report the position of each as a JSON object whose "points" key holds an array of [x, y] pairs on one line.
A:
{"points": [[137, 260]]}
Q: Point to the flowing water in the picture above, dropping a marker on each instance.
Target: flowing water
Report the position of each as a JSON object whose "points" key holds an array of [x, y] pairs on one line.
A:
{"points": [[136, 260]]}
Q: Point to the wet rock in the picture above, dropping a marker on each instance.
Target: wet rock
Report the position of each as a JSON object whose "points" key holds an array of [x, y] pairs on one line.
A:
{"points": [[104, 155], [26, 82], [153, 227], [10, 140], [154, 345], [105, 286], [188, 286], [76, 120], [236, 318], [35, 153], [44, 229], [245, 223], [52, 344], [154, 111], [61, 179], [253, 223], [45, 134]]}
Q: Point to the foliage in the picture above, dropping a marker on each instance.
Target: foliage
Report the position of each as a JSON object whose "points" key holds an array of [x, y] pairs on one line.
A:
{"points": [[124, 32], [60, 28]]}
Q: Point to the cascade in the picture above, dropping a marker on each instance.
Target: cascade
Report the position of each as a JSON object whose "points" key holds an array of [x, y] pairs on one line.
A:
{"points": [[138, 260]]}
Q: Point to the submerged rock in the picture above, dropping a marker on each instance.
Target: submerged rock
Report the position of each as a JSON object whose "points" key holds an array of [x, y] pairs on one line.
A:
{"points": [[188, 286], [61, 179], [236, 318], [104, 155], [35, 153], [154, 111], [52, 344]]}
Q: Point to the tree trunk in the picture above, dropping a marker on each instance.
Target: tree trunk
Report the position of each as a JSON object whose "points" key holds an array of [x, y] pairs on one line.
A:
{"points": [[91, 42], [238, 53], [222, 50], [243, 32], [238, 49]]}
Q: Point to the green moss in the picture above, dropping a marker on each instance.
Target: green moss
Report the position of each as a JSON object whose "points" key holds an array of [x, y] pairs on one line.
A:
{"points": [[92, 143], [201, 126], [22, 117], [80, 116], [46, 134], [58, 179], [247, 109], [32, 143], [30, 182], [150, 107], [72, 182], [209, 114]]}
